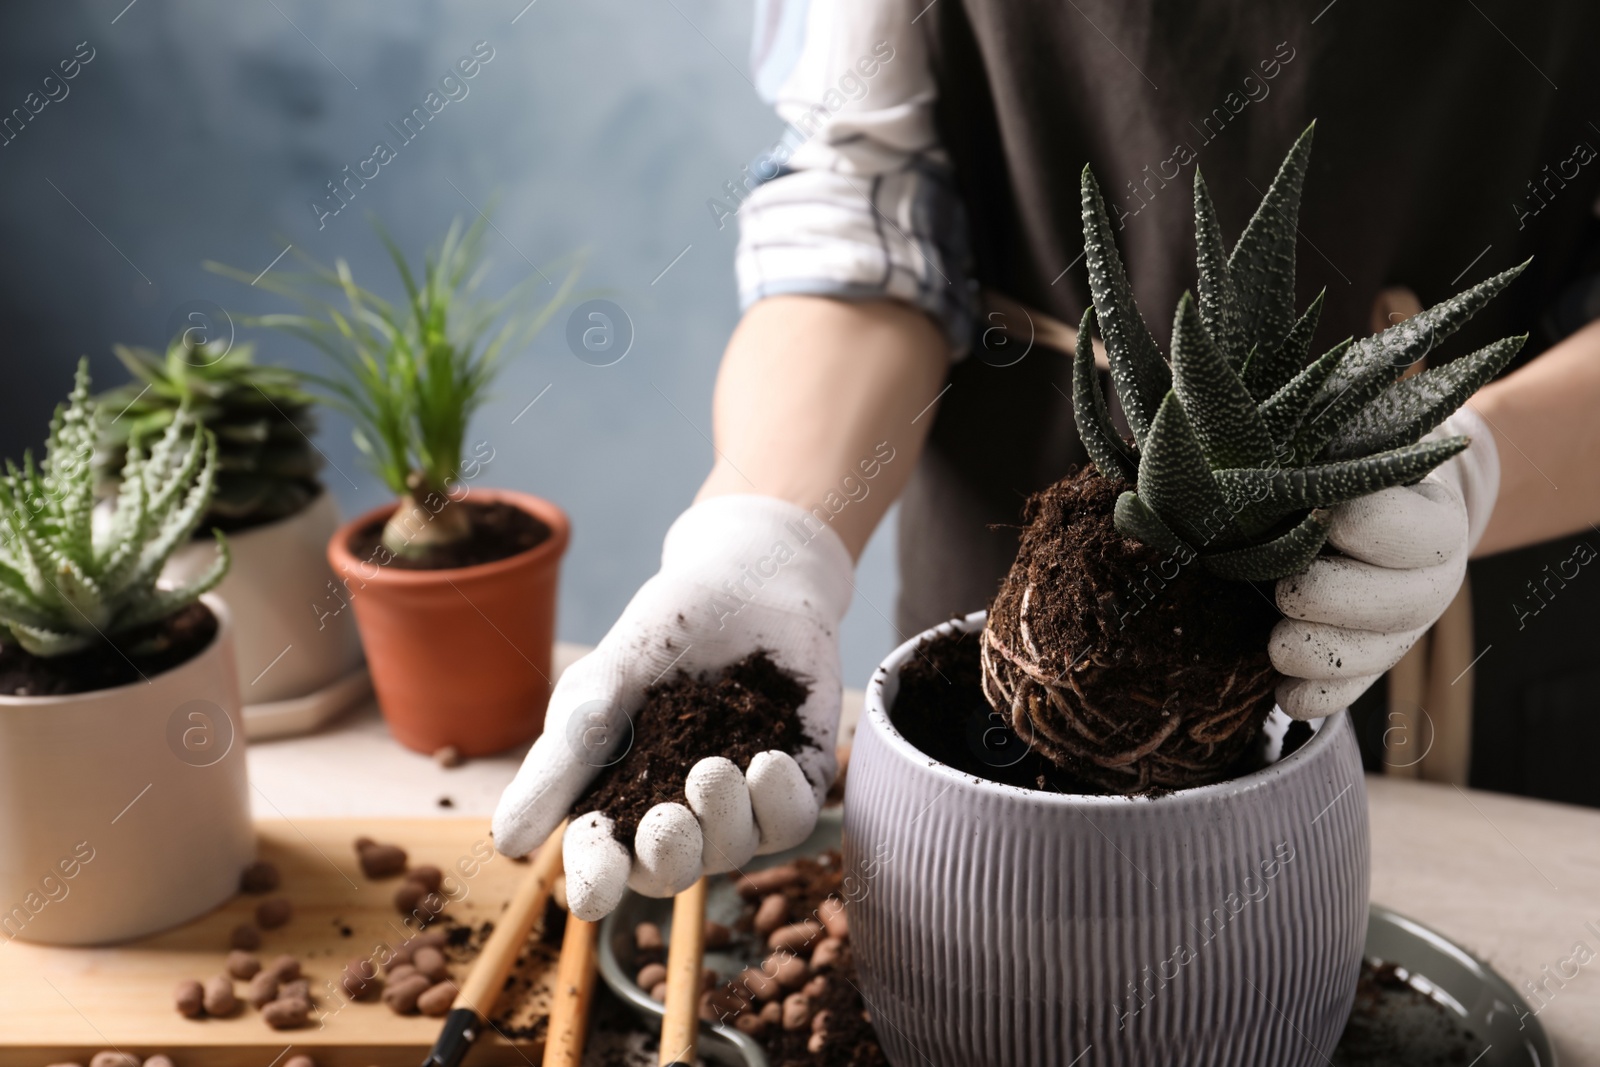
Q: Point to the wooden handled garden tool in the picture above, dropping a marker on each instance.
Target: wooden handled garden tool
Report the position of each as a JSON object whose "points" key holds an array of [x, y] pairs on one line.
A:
{"points": [[680, 1025], [469, 1015], [569, 1010]]}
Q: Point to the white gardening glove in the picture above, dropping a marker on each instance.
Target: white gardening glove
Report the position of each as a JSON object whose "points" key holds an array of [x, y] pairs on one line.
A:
{"points": [[738, 573], [1351, 619]]}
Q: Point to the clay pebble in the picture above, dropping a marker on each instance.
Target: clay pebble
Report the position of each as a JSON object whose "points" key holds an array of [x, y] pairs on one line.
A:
{"points": [[219, 998], [401, 996], [259, 877], [242, 965], [274, 912], [379, 860], [189, 998], [757, 884], [286, 1013], [436, 999]]}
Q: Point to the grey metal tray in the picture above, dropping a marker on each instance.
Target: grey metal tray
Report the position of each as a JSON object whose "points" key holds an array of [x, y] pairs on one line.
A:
{"points": [[1467, 988]]}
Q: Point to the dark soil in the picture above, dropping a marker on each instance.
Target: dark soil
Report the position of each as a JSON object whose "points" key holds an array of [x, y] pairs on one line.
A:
{"points": [[499, 531], [135, 656], [751, 706], [1162, 666], [940, 709], [851, 1041], [1394, 1024]]}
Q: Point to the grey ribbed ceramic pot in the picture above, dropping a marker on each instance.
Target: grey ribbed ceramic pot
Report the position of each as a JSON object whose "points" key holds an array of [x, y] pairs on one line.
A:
{"points": [[1012, 928]]}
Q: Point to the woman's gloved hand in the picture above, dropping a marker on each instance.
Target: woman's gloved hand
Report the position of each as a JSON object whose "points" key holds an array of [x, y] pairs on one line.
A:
{"points": [[1350, 619], [738, 574]]}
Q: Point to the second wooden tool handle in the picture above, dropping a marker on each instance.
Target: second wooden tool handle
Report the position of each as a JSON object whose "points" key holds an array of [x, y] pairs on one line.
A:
{"points": [[680, 1026], [486, 980], [569, 1010]]}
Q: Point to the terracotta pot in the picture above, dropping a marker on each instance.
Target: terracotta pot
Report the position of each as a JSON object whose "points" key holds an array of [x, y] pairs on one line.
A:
{"points": [[460, 656], [124, 811], [1018, 928], [287, 639]]}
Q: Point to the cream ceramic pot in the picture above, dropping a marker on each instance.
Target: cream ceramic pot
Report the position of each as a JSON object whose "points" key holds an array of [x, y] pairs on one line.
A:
{"points": [[1012, 927], [291, 637], [124, 811]]}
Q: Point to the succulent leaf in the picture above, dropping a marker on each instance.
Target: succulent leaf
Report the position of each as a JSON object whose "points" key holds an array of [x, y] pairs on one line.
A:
{"points": [[1176, 482], [163, 602], [1327, 484], [1278, 558], [1407, 410], [1283, 411], [1101, 440], [1219, 302], [42, 641], [1140, 374], [261, 416], [1219, 407], [1265, 372], [1240, 458], [1134, 518], [1262, 264], [1387, 355], [62, 587], [176, 522], [18, 608], [1327, 413]]}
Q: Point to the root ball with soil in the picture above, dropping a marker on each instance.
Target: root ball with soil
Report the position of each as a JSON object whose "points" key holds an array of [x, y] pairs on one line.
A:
{"points": [[1130, 667]]}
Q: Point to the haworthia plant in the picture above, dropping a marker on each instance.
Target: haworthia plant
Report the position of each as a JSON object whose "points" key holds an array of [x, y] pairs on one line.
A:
{"points": [[1243, 441], [260, 414], [68, 581]]}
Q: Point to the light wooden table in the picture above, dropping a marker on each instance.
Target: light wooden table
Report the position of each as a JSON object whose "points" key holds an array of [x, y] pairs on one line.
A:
{"points": [[1515, 881]]}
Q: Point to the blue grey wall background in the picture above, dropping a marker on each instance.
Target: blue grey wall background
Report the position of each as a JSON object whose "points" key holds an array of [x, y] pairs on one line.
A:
{"points": [[204, 129]]}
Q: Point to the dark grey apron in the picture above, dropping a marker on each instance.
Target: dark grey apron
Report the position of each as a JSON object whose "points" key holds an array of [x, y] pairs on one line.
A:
{"points": [[1430, 126]]}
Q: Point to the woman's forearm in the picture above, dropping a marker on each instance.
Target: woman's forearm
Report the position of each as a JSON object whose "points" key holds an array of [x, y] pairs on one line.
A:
{"points": [[1546, 423], [825, 403]]}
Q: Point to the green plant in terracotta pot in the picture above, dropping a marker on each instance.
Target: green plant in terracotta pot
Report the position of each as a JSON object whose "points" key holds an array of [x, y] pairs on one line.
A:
{"points": [[117, 693], [454, 584], [299, 665]]}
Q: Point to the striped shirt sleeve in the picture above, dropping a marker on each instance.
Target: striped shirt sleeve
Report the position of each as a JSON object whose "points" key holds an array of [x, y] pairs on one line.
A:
{"points": [[856, 200]]}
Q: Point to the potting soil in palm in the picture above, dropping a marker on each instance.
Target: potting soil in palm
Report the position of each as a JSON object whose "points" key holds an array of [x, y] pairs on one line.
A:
{"points": [[748, 707]]}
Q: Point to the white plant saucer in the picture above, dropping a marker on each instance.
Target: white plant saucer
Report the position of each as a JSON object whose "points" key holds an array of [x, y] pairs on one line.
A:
{"points": [[299, 715]]}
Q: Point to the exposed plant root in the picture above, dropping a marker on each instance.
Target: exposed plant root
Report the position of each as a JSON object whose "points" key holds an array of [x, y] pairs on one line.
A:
{"points": [[1163, 697]]}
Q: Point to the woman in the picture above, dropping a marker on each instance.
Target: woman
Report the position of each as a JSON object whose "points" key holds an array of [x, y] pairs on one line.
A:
{"points": [[920, 223]]}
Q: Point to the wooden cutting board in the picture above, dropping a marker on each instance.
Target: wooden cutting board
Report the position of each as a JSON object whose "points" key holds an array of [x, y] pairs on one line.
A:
{"points": [[64, 1004]]}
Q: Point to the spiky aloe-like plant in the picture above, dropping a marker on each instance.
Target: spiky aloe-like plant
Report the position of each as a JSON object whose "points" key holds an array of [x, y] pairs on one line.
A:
{"points": [[411, 375], [260, 414], [68, 582], [1240, 446]]}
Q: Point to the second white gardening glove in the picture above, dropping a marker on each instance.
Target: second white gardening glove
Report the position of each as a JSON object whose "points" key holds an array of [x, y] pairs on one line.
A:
{"points": [[1351, 618], [738, 574]]}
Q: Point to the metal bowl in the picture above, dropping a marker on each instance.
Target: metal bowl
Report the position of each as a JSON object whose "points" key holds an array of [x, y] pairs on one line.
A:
{"points": [[718, 1044], [1467, 988]]}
